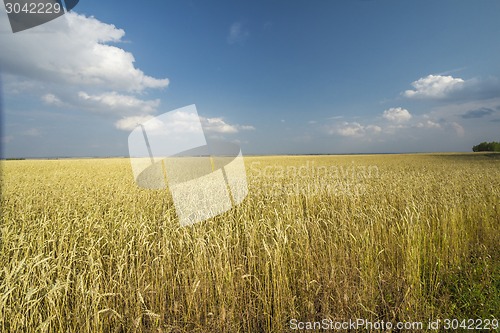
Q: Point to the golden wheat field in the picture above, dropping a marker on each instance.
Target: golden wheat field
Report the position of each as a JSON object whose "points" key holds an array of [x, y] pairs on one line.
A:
{"points": [[380, 237]]}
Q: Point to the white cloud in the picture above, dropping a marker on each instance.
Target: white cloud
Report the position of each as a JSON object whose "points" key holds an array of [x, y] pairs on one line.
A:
{"points": [[118, 103], [129, 123], [72, 50], [354, 129], [399, 120], [218, 125], [69, 62], [237, 33], [351, 129], [170, 122], [428, 124], [181, 122], [397, 115], [374, 128], [434, 86], [52, 99]]}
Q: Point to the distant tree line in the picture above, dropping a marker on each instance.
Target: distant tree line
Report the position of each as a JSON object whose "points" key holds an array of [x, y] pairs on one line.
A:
{"points": [[487, 146]]}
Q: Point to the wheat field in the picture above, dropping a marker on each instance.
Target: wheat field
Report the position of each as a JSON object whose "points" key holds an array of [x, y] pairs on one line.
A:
{"points": [[381, 237]]}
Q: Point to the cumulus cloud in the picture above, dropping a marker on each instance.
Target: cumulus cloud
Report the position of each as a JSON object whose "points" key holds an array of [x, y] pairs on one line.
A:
{"points": [[398, 119], [52, 99], [129, 123], [398, 115], [237, 33], [109, 103], [73, 58], [218, 125], [73, 49], [434, 86], [428, 124], [353, 129], [374, 128], [181, 122], [113, 102]]}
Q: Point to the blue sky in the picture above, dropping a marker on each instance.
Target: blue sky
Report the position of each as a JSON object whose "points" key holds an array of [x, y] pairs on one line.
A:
{"points": [[278, 77]]}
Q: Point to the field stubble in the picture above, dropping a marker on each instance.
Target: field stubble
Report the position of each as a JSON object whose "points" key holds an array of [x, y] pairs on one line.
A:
{"points": [[84, 250]]}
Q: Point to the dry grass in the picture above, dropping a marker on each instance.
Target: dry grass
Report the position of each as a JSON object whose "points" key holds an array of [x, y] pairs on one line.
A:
{"points": [[84, 250]]}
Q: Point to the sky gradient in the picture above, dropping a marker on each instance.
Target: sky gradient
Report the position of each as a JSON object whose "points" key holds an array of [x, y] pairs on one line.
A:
{"points": [[278, 77]]}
